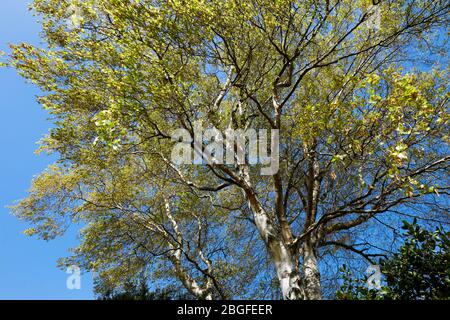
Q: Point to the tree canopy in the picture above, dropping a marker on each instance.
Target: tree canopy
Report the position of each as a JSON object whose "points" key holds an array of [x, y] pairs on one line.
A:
{"points": [[358, 91]]}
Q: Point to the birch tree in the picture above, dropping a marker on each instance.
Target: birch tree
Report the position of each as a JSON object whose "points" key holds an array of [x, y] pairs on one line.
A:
{"points": [[362, 133]]}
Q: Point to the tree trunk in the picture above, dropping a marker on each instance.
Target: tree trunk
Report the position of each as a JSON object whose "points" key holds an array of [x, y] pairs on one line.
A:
{"points": [[311, 274], [286, 262], [286, 265]]}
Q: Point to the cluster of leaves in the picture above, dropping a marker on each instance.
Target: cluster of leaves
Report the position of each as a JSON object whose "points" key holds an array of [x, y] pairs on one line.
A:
{"points": [[419, 270]]}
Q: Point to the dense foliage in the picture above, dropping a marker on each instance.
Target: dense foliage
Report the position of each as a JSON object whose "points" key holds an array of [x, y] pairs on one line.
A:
{"points": [[419, 270]]}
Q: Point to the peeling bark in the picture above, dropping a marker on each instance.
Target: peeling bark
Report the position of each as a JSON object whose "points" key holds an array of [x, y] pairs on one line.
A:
{"points": [[311, 274], [287, 269], [286, 262]]}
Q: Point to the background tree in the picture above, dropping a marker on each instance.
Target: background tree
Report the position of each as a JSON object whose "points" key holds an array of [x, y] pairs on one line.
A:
{"points": [[363, 141], [419, 270], [137, 289]]}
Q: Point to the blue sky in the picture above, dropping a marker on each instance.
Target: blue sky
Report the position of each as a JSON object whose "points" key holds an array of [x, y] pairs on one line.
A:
{"points": [[27, 265]]}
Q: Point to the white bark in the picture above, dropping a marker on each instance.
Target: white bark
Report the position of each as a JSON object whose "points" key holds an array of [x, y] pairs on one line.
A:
{"points": [[286, 266], [311, 274], [286, 263], [190, 284]]}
